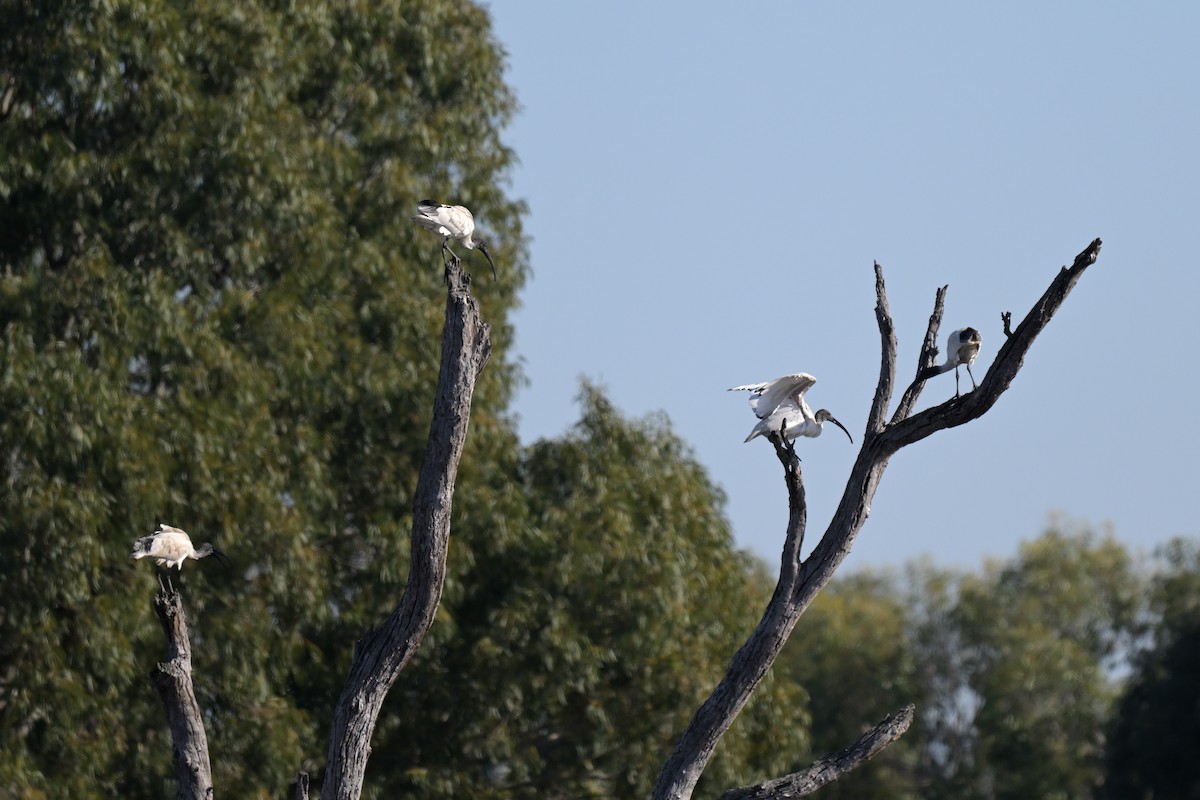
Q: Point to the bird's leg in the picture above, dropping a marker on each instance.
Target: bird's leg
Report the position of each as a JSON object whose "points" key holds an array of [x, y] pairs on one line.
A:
{"points": [[973, 384], [789, 445], [956, 395], [162, 588], [446, 249]]}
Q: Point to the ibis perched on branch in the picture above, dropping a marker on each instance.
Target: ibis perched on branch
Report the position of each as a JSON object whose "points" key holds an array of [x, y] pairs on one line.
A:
{"points": [[451, 222], [170, 547], [781, 408], [962, 346]]}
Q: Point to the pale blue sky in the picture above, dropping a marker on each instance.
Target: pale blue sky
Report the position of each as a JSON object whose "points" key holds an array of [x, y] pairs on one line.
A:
{"points": [[709, 184]]}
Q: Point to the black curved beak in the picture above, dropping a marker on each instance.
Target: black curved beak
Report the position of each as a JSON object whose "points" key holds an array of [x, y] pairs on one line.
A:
{"points": [[483, 249], [225, 562], [843, 427]]}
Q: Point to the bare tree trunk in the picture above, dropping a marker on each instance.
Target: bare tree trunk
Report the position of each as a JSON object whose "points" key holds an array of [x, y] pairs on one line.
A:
{"points": [[173, 679], [383, 652], [800, 582]]}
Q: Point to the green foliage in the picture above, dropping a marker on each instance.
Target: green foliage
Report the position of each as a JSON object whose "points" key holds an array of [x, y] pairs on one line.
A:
{"points": [[1011, 670], [1154, 750], [1037, 635], [214, 313]]}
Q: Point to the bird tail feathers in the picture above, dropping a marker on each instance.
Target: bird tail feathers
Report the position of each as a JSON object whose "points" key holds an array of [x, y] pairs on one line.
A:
{"points": [[936, 369]]}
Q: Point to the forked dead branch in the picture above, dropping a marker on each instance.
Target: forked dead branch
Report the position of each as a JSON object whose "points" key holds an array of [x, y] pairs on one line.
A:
{"points": [[801, 581]]}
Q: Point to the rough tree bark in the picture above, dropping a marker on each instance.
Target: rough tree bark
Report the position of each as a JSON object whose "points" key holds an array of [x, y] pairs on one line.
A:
{"points": [[800, 582], [173, 679], [832, 767], [383, 652]]}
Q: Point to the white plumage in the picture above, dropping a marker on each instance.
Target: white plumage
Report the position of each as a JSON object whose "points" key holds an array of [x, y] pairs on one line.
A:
{"points": [[171, 546], [780, 406], [962, 347], [451, 222]]}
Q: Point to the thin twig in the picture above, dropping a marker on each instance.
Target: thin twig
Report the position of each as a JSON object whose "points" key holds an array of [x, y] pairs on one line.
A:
{"points": [[929, 352]]}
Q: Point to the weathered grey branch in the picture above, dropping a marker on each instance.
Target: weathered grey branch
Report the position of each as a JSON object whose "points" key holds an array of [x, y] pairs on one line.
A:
{"points": [[751, 662], [929, 352], [383, 652], [1003, 370], [832, 766], [173, 679], [301, 786], [887, 361], [798, 587]]}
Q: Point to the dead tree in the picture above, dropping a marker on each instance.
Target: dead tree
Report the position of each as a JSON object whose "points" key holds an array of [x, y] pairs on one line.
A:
{"points": [[382, 652], [173, 679], [801, 580]]}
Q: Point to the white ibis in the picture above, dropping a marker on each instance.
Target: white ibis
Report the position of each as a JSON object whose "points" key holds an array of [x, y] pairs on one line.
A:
{"points": [[451, 222], [170, 547], [962, 346], [780, 407]]}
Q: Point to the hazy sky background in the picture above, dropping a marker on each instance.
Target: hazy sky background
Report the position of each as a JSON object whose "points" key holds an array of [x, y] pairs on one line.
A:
{"points": [[709, 184]]}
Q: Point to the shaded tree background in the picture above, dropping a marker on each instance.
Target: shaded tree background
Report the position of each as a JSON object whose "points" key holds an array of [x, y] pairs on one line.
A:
{"points": [[1155, 737], [214, 313]]}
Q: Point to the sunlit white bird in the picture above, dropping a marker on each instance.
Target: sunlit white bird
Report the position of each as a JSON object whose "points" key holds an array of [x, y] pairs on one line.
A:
{"points": [[451, 222], [780, 406], [170, 547], [962, 346]]}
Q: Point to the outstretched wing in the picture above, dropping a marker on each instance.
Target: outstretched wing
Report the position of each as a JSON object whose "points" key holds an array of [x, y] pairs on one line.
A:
{"points": [[756, 390], [767, 397]]}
